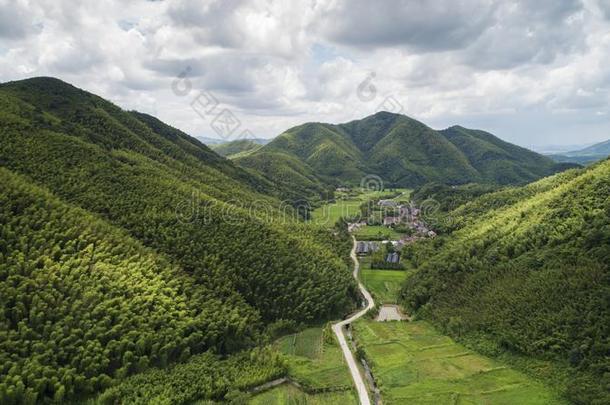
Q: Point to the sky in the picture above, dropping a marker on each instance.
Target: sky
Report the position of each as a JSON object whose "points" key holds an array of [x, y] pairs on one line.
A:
{"points": [[535, 73]]}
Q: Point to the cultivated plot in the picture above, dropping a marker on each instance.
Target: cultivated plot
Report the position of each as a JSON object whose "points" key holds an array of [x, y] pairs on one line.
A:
{"points": [[414, 364]]}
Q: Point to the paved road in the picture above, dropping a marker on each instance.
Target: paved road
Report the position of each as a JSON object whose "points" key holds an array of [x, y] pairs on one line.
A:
{"points": [[338, 329]]}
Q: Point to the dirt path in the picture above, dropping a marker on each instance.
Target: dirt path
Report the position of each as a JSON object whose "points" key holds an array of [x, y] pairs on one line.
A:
{"points": [[338, 329]]}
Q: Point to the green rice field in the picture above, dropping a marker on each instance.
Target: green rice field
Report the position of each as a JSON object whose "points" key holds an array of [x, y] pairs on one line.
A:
{"points": [[376, 232], [349, 205], [315, 360], [384, 285], [414, 364]]}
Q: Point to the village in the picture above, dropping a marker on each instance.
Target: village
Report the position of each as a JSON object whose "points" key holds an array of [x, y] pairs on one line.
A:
{"points": [[405, 219]]}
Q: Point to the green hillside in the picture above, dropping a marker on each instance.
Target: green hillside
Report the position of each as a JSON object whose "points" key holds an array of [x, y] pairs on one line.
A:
{"points": [[323, 147], [240, 147], [294, 180], [84, 302], [235, 254], [526, 271], [406, 153], [585, 156], [496, 160]]}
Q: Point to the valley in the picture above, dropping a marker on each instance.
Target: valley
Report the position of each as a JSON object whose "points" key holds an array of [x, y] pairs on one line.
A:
{"points": [[139, 266], [325, 202], [411, 362]]}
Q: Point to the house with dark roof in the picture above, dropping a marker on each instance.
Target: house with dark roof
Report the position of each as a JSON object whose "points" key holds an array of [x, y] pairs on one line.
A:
{"points": [[393, 257], [364, 248], [389, 221], [387, 203]]}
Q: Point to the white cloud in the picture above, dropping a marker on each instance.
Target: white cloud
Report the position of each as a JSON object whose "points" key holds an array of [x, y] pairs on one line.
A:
{"points": [[500, 65]]}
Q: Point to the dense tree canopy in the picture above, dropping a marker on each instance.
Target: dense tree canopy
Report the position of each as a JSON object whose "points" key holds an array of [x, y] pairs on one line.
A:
{"points": [[238, 258], [528, 269]]}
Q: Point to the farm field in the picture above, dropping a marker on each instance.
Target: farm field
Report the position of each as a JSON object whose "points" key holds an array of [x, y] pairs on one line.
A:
{"points": [[349, 204], [415, 364], [315, 360], [384, 285], [376, 232], [329, 214], [289, 394]]}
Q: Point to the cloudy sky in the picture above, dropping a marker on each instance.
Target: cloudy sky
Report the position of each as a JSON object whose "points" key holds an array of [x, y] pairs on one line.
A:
{"points": [[533, 72]]}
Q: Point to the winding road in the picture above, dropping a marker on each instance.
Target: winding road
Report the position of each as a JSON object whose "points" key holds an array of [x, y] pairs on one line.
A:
{"points": [[338, 329]]}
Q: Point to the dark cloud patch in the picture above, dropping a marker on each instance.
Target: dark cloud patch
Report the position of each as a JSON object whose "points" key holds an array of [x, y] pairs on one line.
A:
{"points": [[604, 6], [528, 32], [227, 72], [16, 21], [418, 24], [173, 67], [212, 21]]}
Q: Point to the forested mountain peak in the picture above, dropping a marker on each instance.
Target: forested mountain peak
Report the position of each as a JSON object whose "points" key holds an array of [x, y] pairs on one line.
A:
{"points": [[404, 152]]}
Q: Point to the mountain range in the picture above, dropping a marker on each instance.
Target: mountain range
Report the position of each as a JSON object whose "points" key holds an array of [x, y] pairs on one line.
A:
{"points": [[217, 141], [126, 245], [403, 152], [238, 148], [585, 156]]}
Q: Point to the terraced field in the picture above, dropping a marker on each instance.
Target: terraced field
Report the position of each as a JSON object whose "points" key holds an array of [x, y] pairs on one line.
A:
{"points": [[316, 363], [414, 364]]}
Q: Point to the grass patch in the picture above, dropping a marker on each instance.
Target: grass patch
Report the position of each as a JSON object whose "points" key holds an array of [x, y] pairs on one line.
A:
{"points": [[384, 285], [377, 232], [348, 205], [307, 343], [415, 364]]}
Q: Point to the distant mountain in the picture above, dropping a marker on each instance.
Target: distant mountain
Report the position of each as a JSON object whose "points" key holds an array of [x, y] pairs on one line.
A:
{"points": [[585, 156], [237, 148], [217, 141], [403, 152], [558, 149], [209, 141]]}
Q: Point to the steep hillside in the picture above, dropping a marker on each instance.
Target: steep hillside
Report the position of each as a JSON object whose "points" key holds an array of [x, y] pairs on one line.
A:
{"points": [[407, 153], [239, 147], [83, 302], [325, 148], [175, 197], [526, 270], [294, 180]]}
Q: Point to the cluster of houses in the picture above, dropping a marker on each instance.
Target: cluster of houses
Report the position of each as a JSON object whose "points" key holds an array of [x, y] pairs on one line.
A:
{"points": [[395, 214], [353, 227], [408, 215], [364, 248]]}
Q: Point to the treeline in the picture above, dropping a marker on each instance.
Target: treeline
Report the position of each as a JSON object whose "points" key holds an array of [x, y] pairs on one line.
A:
{"points": [[526, 270], [203, 377]]}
